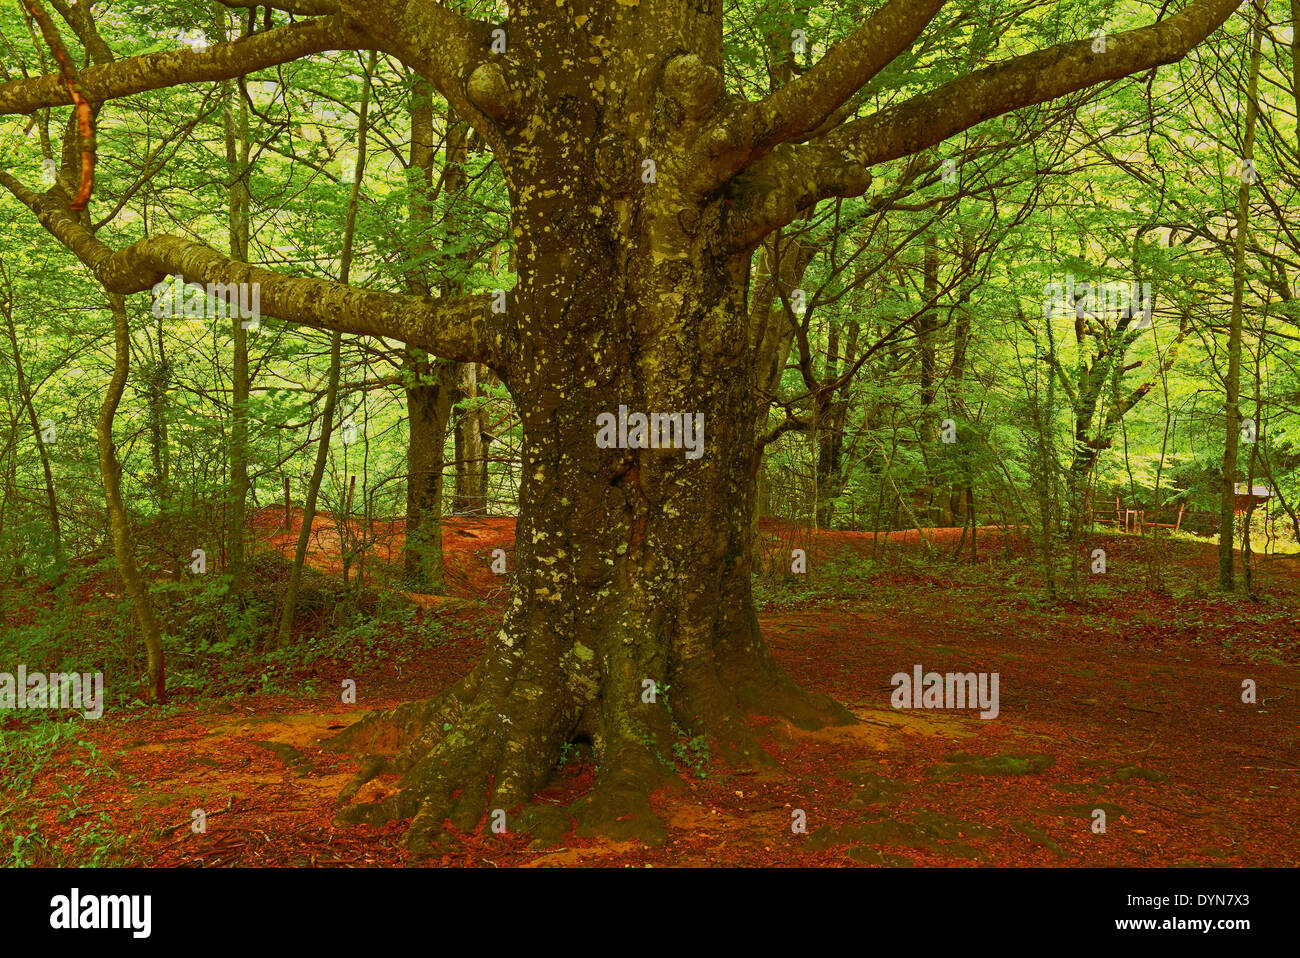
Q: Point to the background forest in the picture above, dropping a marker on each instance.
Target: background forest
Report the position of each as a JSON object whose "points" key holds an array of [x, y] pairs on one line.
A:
{"points": [[288, 494]]}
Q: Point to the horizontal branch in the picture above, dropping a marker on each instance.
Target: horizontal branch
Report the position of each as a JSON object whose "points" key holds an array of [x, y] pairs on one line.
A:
{"points": [[436, 42], [786, 182], [154, 71], [301, 8], [447, 49], [461, 329]]}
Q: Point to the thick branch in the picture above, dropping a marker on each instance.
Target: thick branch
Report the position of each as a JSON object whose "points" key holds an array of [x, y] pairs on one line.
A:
{"points": [[461, 329], [85, 114], [784, 184], [82, 21], [1171, 356], [154, 71], [302, 8], [447, 49], [775, 187], [805, 103], [930, 118]]}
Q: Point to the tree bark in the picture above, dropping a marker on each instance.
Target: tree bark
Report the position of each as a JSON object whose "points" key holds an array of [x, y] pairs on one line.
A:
{"points": [[1232, 382], [123, 544]]}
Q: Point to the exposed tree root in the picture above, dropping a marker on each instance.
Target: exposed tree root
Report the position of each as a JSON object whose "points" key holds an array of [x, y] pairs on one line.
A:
{"points": [[761, 687], [771, 692], [486, 746]]}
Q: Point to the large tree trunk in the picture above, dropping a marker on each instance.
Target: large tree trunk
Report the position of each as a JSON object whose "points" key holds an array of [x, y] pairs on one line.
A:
{"points": [[629, 565]]}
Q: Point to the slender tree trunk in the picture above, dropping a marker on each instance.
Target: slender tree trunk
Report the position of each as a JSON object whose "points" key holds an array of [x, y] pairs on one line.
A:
{"points": [[974, 527], [237, 170], [471, 496], [25, 397], [1247, 558], [431, 383], [123, 545], [824, 434], [1232, 384], [1295, 62], [284, 630], [832, 414], [428, 407], [1043, 422], [957, 386], [158, 379], [926, 325], [772, 331]]}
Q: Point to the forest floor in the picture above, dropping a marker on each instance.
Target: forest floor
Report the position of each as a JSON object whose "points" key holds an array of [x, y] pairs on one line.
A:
{"points": [[1123, 696]]}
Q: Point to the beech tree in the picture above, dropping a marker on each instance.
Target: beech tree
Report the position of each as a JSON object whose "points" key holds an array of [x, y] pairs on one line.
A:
{"points": [[641, 188]]}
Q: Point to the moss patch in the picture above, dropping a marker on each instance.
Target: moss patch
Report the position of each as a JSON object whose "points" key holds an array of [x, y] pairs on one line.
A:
{"points": [[871, 788], [1039, 837], [1130, 772], [960, 763], [1086, 809], [926, 831], [286, 753]]}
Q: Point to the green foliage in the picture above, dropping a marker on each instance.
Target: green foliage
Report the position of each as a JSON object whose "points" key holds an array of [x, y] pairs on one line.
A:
{"points": [[924, 307], [38, 749], [692, 752]]}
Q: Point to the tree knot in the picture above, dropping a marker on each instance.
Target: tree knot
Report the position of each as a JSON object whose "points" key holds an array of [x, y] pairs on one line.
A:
{"points": [[693, 85]]}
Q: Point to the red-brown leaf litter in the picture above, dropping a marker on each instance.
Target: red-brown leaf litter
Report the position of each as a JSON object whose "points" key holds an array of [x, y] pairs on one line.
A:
{"points": [[1122, 699]]}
